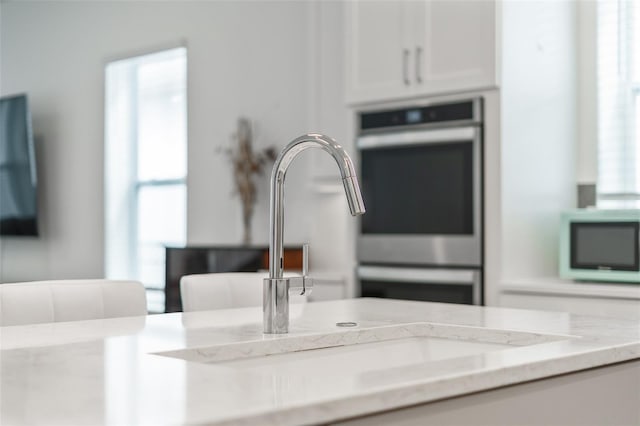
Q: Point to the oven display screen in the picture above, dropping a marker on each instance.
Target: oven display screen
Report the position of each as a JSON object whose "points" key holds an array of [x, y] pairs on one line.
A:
{"points": [[414, 116], [609, 245]]}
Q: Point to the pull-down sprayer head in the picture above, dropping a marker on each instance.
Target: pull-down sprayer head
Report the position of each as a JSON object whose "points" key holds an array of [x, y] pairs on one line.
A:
{"points": [[354, 197]]}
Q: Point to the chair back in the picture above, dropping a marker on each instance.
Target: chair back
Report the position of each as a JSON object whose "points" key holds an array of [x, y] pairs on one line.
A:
{"points": [[70, 300], [202, 292]]}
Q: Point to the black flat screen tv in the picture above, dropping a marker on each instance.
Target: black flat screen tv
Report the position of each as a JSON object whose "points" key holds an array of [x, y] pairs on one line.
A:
{"points": [[18, 180]]}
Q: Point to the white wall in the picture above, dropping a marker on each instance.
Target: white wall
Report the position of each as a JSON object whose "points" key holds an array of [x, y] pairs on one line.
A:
{"points": [[244, 58], [332, 228], [587, 137], [538, 119]]}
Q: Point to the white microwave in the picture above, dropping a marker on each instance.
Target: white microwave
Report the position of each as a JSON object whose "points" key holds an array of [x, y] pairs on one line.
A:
{"points": [[600, 245]]}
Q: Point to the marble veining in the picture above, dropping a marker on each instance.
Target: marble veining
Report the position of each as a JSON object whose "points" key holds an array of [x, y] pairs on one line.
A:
{"points": [[109, 371]]}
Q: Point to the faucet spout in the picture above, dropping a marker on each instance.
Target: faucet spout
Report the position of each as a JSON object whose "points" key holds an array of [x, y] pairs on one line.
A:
{"points": [[276, 294], [295, 147]]}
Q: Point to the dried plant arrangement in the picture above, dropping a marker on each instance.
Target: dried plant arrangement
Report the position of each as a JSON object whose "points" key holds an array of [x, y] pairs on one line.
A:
{"points": [[247, 164]]}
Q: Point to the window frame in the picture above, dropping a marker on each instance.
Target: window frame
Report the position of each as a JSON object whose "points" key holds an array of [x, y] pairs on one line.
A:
{"points": [[122, 91]]}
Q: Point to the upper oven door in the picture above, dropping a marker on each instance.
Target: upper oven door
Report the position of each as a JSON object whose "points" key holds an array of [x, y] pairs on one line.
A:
{"points": [[422, 190]]}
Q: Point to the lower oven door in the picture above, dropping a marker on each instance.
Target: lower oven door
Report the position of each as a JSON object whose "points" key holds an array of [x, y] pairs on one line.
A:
{"points": [[432, 285]]}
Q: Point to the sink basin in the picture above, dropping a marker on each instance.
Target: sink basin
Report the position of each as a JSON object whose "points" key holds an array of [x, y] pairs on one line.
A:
{"points": [[366, 357], [360, 349]]}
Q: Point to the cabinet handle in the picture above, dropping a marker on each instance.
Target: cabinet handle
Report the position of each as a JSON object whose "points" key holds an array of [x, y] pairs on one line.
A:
{"points": [[405, 66], [418, 60]]}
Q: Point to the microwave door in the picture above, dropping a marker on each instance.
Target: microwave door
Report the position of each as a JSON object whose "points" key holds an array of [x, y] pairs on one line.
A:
{"points": [[605, 246]]}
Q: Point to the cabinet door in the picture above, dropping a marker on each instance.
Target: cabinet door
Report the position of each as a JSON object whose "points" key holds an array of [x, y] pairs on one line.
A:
{"points": [[455, 45], [377, 56]]}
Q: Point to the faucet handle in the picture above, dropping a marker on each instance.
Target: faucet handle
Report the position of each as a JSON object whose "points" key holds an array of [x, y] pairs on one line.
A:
{"points": [[302, 285]]}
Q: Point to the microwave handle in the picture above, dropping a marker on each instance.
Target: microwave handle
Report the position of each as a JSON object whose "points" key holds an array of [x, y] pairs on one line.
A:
{"points": [[417, 275]]}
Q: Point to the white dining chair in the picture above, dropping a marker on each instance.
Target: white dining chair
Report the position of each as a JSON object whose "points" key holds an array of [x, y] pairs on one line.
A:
{"points": [[70, 300], [203, 292]]}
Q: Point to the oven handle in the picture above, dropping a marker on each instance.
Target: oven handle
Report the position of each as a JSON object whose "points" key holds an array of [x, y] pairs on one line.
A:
{"points": [[417, 137], [417, 275]]}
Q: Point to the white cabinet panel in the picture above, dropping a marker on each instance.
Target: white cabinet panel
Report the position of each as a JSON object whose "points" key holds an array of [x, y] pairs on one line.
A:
{"points": [[399, 49], [327, 291], [376, 34], [459, 40]]}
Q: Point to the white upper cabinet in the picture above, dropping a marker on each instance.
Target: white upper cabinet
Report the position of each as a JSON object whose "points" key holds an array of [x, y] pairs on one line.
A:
{"points": [[399, 49], [376, 34]]}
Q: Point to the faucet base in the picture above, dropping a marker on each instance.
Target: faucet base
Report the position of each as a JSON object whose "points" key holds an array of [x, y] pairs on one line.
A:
{"points": [[275, 305]]}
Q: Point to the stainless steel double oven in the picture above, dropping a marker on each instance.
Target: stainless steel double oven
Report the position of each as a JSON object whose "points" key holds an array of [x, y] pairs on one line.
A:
{"points": [[421, 169]]}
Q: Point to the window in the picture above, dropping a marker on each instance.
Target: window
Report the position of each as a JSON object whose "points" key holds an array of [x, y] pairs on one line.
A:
{"points": [[619, 103], [145, 167]]}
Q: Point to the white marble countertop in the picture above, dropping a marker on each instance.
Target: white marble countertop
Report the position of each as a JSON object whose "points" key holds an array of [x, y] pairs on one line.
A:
{"points": [[108, 372]]}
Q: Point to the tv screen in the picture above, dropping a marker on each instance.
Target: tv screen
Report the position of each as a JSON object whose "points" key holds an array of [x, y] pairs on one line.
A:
{"points": [[18, 206]]}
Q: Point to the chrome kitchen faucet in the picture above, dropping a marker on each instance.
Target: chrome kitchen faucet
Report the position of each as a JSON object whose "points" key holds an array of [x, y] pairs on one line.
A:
{"points": [[275, 302]]}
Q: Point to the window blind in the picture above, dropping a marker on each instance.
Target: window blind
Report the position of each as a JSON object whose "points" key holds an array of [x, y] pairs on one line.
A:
{"points": [[618, 77]]}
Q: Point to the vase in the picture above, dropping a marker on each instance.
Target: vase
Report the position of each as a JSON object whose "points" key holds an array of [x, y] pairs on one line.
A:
{"points": [[247, 213]]}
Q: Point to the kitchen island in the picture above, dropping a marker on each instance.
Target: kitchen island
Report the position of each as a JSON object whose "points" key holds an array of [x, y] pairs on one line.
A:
{"points": [[400, 362]]}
